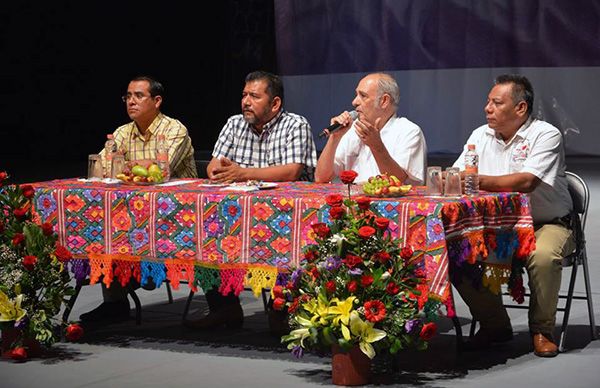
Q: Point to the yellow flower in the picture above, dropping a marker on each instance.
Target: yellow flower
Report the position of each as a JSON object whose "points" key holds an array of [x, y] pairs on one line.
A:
{"points": [[320, 310], [11, 311], [342, 310], [365, 333]]}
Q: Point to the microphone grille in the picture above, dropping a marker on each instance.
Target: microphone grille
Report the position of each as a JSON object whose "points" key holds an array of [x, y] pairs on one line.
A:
{"points": [[354, 114]]}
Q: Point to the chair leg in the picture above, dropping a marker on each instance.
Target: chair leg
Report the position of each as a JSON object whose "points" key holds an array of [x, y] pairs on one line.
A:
{"points": [[263, 293], [458, 330], [169, 292], [138, 306], [187, 305], [472, 328], [567, 311], [588, 292], [72, 301]]}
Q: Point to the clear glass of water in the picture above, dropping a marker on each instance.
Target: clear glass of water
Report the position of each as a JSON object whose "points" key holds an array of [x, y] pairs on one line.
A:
{"points": [[434, 180], [95, 170], [118, 165], [453, 186]]}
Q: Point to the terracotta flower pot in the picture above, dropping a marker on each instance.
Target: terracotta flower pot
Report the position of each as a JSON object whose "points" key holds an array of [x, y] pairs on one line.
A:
{"points": [[352, 367], [10, 335]]}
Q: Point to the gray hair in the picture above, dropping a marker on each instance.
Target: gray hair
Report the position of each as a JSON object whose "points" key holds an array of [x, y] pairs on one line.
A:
{"points": [[388, 85]]}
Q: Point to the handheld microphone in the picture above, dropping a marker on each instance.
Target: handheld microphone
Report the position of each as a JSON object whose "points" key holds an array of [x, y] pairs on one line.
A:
{"points": [[335, 126]]}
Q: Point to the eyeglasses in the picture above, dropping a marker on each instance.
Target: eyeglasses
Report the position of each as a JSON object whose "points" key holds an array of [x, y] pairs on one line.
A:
{"points": [[137, 97]]}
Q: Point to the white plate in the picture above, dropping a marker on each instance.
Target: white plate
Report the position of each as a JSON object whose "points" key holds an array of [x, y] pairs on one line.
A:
{"points": [[267, 185], [213, 184]]}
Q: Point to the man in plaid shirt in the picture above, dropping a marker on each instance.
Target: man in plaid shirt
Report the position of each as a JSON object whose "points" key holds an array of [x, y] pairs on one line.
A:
{"points": [[263, 143], [137, 141]]}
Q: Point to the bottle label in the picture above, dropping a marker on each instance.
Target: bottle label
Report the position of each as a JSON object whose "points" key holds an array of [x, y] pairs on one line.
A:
{"points": [[471, 169]]}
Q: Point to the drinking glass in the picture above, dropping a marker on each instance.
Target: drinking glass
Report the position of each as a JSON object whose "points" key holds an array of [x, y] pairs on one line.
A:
{"points": [[118, 165], [434, 180], [453, 186], [95, 170]]}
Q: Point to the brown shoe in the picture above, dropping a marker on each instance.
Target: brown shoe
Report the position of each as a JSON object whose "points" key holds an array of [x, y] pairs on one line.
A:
{"points": [[484, 338], [231, 316], [544, 346]]}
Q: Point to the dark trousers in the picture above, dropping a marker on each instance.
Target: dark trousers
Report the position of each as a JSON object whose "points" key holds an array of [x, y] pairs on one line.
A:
{"points": [[217, 301]]}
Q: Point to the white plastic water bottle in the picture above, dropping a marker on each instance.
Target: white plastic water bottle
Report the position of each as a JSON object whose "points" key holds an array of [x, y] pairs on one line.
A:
{"points": [[110, 147], [471, 171], [162, 156]]}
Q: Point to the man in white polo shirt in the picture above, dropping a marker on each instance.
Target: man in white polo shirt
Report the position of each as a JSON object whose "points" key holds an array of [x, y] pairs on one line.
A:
{"points": [[520, 153], [378, 141]]}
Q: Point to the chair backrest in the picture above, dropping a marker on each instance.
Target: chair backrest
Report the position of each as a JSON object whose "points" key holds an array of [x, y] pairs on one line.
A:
{"points": [[580, 195]]}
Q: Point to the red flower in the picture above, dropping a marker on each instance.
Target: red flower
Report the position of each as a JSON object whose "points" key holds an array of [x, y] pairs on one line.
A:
{"points": [[336, 212], [382, 257], [20, 213], [352, 261], [293, 306], [428, 331], [278, 291], [27, 191], [278, 304], [74, 332], [29, 262], [18, 239], [62, 253], [366, 231], [352, 286], [315, 272], [334, 200], [3, 176], [47, 229], [348, 176], [392, 288], [382, 223], [364, 203], [374, 310], [311, 255], [406, 253], [18, 353], [366, 280], [330, 286], [321, 229]]}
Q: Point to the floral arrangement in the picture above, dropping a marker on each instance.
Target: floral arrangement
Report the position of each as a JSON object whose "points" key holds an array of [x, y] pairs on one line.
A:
{"points": [[356, 286], [34, 280]]}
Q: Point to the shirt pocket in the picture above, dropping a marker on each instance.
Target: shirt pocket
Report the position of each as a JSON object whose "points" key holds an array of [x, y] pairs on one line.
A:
{"points": [[518, 156]]}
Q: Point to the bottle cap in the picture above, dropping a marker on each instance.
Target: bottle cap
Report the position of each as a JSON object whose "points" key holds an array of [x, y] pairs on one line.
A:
{"points": [[471, 147]]}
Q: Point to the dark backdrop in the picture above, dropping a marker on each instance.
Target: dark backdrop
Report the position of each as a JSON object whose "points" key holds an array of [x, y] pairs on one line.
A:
{"points": [[65, 64]]}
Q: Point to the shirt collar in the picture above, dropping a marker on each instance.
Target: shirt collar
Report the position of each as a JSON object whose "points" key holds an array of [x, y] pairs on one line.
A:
{"points": [[151, 129], [388, 125], [521, 132], [267, 127]]}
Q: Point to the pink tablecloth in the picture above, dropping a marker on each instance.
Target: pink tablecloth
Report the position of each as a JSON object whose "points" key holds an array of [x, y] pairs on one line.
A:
{"points": [[206, 236]]}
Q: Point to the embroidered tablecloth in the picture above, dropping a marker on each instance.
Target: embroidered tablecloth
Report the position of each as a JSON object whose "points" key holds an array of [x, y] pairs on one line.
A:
{"points": [[207, 236]]}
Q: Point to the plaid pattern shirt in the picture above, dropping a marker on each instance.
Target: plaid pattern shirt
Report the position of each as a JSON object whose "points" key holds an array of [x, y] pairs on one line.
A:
{"points": [[137, 147], [286, 139]]}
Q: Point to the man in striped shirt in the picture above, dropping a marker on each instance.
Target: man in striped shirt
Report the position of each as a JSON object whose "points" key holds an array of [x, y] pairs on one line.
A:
{"points": [[137, 141], [264, 142]]}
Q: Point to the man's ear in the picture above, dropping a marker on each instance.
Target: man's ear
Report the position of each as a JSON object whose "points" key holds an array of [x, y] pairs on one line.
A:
{"points": [[276, 104], [385, 100], [157, 101], [521, 108]]}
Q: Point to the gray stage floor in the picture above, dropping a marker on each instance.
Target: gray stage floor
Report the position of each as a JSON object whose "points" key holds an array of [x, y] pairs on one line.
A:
{"points": [[161, 352]]}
